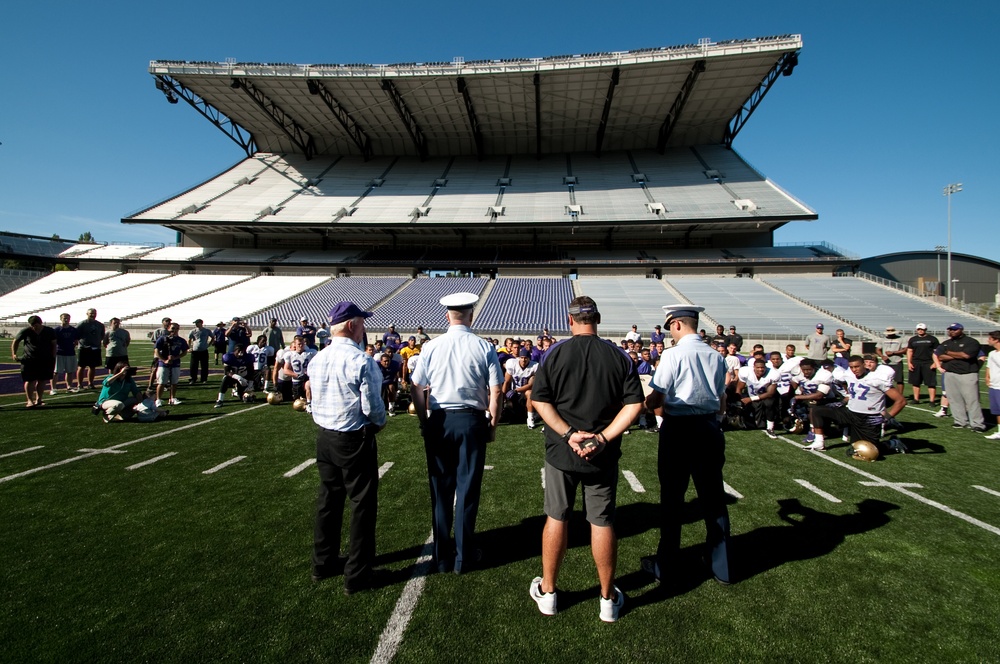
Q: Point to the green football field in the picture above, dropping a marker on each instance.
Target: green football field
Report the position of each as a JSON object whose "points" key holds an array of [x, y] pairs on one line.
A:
{"points": [[190, 540]]}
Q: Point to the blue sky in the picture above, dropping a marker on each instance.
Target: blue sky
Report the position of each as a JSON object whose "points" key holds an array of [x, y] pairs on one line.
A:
{"points": [[891, 100]]}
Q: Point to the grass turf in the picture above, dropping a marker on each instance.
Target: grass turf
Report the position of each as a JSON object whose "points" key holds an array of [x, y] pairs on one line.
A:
{"points": [[166, 563]]}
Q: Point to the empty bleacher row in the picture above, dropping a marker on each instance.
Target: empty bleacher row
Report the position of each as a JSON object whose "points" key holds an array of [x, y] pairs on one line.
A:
{"points": [[708, 182], [778, 305]]}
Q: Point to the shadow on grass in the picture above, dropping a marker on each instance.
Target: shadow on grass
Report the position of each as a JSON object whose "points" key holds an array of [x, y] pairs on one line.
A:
{"points": [[807, 533], [923, 446]]}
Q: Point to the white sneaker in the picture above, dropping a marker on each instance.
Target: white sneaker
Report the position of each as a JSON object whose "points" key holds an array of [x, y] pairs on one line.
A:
{"points": [[546, 601], [74, 390], [174, 402], [611, 607], [52, 393], [941, 413], [770, 434], [531, 422], [158, 403], [994, 436], [309, 408], [815, 447]]}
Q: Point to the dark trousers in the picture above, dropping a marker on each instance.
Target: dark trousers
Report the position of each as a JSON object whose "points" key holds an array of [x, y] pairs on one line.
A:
{"points": [[199, 358], [455, 443], [348, 469], [693, 447]]}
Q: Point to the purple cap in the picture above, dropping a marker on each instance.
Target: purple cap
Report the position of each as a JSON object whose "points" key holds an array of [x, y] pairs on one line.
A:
{"points": [[819, 326], [956, 326], [345, 311], [524, 353]]}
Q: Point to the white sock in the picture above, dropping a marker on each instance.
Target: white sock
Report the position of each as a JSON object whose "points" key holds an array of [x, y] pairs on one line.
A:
{"points": [[221, 397], [819, 440], [770, 425], [659, 421]]}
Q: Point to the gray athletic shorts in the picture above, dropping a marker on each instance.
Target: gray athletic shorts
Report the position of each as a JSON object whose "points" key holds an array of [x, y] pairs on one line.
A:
{"points": [[599, 491], [168, 375], [66, 364]]}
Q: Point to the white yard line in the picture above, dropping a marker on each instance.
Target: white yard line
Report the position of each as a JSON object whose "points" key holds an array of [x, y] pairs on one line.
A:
{"points": [[543, 478], [299, 468], [384, 468], [27, 449], [32, 471], [633, 481], [224, 464], [392, 635], [989, 491], [731, 491], [150, 461], [903, 490], [819, 492]]}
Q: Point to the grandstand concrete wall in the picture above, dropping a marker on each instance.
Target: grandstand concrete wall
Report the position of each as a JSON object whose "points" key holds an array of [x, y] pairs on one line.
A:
{"points": [[977, 277]]}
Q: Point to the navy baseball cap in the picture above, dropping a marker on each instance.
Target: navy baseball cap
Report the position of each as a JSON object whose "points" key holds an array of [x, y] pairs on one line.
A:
{"points": [[524, 353], [956, 326], [345, 311], [819, 326]]}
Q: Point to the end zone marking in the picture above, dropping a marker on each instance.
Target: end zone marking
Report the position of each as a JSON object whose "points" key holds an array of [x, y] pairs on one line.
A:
{"points": [[819, 492], [384, 468], [906, 492], [224, 464], [27, 449], [633, 481], [150, 461], [392, 635], [732, 492], [989, 491], [299, 468]]}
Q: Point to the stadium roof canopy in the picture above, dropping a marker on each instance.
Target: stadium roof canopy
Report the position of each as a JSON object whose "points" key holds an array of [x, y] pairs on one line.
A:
{"points": [[694, 94]]}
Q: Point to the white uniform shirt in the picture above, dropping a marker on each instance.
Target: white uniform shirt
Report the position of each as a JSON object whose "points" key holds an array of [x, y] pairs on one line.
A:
{"points": [[519, 376], [692, 378], [460, 368], [993, 364]]}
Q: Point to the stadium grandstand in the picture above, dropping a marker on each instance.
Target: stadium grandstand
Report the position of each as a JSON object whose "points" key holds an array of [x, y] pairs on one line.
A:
{"points": [[526, 180]]}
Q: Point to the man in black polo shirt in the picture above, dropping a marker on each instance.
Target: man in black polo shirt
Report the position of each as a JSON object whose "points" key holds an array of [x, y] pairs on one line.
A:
{"points": [[959, 358], [733, 338], [588, 394], [38, 358], [920, 362]]}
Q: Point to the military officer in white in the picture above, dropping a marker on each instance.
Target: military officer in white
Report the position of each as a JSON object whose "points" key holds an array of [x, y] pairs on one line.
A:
{"points": [[462, 376]]}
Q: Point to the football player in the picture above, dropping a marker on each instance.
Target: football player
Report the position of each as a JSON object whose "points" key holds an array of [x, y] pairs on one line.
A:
{"points": [[758, 393], [518, 379]]}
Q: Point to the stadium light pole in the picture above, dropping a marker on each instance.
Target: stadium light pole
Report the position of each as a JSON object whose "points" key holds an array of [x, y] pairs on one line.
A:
{"points": [[949, 191]]}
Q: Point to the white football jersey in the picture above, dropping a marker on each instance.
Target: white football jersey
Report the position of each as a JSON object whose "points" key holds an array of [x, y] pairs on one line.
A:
{"points": [[867, 394], [755, 386], [520, 377], [260, 356]]}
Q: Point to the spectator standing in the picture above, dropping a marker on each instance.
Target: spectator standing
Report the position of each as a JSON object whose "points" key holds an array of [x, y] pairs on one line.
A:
{"points": [[588, 394], [690, 384], [920, 362], [307, 331], [275, 337], [892, 350], [322, 337], [200, 340], [657, 336], [734, 339], [818, 344], [37, 343], [349, 412], [155, 335], [91, 333], [238, 334], [841, 347], [959, 358], [116, 342], [169, 351], [464, 376], [634, 335], [993, 379], [67, 339], [219, 341], [391, 338]]}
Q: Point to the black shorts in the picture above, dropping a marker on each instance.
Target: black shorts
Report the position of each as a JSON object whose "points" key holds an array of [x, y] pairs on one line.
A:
{"points": [[90, 357], [923, 374], [32, 370]]}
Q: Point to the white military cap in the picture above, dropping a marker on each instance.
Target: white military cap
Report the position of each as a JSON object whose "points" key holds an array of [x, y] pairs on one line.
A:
{"points": [[460, 300], [672, 311]]}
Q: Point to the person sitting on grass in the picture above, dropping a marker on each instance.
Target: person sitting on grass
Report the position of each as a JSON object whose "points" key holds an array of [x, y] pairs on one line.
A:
{"points": [[119, 394]]}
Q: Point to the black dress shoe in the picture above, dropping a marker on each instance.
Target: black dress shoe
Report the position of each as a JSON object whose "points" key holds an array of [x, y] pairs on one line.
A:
{"points": [[332, 570], [377, 579], [471, 564]]}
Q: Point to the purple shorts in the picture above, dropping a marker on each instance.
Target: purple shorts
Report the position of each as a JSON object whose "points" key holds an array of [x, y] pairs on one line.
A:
{"points": [[994, 401]]}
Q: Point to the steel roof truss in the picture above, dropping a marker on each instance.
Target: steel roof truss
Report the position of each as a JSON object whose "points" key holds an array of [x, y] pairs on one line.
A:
{"points": [[603, 126], [477, 133], [353, 129], [785, 64], [677, 107], [238, 134], [409, 121], [299, 136]]}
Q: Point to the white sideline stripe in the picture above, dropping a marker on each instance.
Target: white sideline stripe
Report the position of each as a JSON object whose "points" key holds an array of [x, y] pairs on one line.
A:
{"points": [[906, 492], [905, 485], [384, 468], [150, 461], [27, 449], [543, 478], [633, 481], [224, 464], [819, 492], [126, 444], [299, 468], [731, 491], [989, 491], [392, 635]]}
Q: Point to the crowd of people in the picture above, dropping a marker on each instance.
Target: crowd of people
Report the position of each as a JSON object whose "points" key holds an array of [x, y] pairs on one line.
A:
{"points": [[684, 384]]}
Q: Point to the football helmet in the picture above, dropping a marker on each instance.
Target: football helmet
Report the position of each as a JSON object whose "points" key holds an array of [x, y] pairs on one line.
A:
{"points": [[412, 409], [274, 398], [864, 451], [798, 427], [299, 404]]}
